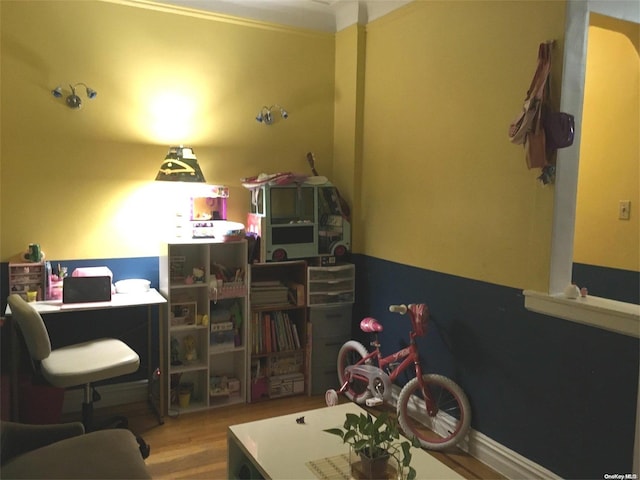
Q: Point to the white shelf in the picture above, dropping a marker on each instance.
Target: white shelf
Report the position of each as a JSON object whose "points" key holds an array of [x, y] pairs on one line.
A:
{"points": [[180, 259], [224, 350], [188, 367], [186, 328], [178, 286]]}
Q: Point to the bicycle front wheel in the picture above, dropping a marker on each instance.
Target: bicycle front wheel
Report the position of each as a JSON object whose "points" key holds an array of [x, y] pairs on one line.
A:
{"points": [[357, 389], [439, 422]]}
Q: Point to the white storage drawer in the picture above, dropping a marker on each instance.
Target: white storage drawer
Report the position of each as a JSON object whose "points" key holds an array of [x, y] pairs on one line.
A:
{"points": [[324, 372], [331, 321], [330, 298], [333, 285], [330, 329], [335, 272]]}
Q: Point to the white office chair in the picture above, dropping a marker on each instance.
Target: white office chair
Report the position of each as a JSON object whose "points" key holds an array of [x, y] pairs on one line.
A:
{"points": [[73, 365]]}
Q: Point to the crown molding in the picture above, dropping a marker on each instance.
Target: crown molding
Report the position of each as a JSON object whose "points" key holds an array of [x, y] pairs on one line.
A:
{"points": [[320, 15]]}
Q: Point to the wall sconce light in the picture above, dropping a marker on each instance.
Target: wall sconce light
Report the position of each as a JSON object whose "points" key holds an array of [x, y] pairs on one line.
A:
{"points": [[180, 165], [266, 114], [73, 100]]}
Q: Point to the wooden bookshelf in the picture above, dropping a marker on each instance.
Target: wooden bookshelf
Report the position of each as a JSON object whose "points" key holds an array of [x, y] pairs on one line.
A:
{"points": [[279, 362]]}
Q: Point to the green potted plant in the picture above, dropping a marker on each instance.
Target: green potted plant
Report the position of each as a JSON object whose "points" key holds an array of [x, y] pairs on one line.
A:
{"points": [[375, 441]]}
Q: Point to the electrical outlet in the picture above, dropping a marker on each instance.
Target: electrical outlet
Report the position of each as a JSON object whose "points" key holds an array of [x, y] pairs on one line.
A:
{"points": [[624, 208]]}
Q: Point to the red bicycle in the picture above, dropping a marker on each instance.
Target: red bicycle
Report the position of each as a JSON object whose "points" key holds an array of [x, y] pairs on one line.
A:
{"points": [[431, 407]]}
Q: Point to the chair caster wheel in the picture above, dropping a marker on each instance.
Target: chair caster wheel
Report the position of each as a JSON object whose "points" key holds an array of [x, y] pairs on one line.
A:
{"points": [[145, 449], [122, 424]]}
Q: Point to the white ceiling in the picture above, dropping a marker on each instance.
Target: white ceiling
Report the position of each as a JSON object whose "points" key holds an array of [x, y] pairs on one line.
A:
{"points": [[323, 15]]}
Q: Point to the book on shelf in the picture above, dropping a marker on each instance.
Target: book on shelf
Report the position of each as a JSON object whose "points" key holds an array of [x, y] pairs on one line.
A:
{"points": [[282, 345], [296, 337], [296, 293], [273, 332], [257, 370], [266, 325], [255, 334], [274, 343], [255, 325], [269, 295], [288, 331]]}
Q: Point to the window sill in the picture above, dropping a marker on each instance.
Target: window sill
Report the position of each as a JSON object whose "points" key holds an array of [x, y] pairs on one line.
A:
{"points": [[619, 317]]}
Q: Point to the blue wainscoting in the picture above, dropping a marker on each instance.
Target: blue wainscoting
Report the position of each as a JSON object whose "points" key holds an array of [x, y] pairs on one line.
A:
{"points": [[560, 393], [613, 283], [129, 324]]}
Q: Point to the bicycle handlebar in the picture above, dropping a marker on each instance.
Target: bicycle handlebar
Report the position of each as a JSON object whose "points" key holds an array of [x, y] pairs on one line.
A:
{"points": [[401, 309]]}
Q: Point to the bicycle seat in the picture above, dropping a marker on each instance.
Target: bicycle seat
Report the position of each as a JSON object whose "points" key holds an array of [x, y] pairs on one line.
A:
{"points": [[370, 325]]}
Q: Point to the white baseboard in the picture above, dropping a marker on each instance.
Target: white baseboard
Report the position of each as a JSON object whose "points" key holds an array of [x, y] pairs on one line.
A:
{"points": [[495, 455], [503, 460], [113, 394]]}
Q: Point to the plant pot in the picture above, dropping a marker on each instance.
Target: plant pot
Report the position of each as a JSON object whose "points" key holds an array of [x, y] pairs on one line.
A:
{"points": [[184, 398], [185, 390], [371, 468]]}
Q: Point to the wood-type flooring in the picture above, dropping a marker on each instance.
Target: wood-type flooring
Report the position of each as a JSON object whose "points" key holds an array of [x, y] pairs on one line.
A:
{"points": [[194, 445]]}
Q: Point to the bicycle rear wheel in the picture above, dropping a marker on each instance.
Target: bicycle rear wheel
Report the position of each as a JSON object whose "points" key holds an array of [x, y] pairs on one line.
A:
{"points": [[450, 419], [351, 353]]}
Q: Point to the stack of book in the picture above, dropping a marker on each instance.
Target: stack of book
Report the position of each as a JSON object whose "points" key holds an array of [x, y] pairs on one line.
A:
{"points": [[269, 293]]}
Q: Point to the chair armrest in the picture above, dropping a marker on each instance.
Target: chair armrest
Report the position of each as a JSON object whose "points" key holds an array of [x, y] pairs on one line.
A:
{"points": [[18, 438]]}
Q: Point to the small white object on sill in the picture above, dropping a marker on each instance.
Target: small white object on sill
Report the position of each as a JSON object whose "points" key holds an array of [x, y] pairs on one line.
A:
{"points": [[572, 291], [133, 285]]}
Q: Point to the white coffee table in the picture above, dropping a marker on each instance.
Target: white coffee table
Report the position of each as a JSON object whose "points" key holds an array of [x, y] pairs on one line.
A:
{"points": [[280, 448]]}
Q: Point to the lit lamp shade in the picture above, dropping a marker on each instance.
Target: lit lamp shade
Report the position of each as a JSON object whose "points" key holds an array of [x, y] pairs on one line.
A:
{"points": [[180, 165]]}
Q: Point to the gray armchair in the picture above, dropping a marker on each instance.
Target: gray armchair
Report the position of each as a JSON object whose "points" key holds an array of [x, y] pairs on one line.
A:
{"points": [[65, 451]]}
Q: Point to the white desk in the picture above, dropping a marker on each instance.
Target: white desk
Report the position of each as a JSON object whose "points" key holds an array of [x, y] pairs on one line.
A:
{"points": [[279, 447], [118, 300]]}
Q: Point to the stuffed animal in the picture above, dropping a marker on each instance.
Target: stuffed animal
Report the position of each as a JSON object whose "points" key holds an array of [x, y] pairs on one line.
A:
{"points": [[190, 352], [198, 275], [175, 352]]}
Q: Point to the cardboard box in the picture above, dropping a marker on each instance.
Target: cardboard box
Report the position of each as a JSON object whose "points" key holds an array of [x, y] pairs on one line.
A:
{"points": [[234, 386], [221, 326], [283, 385]]}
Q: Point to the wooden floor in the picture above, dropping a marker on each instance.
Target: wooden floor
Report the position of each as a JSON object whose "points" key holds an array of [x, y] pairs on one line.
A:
{"points": [[194, 446]]}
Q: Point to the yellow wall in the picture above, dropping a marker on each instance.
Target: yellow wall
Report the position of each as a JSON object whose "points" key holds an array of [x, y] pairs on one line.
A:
{"points": [[79, 182], [442, 187], [609, 158], [422, 100]]}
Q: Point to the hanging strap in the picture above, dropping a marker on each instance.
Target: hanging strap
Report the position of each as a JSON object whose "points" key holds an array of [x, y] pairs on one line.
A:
{"points": [[536, 89], [524, 122]]}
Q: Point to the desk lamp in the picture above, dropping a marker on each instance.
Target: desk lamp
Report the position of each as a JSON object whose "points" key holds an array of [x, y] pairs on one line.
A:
{"points": [[180, 165]]}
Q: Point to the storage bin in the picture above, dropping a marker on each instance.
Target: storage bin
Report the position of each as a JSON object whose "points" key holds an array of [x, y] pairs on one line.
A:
{"points": [[259, 388], [283, 385], [331, 327], [222, 339], [40, 404], [330, 285]]}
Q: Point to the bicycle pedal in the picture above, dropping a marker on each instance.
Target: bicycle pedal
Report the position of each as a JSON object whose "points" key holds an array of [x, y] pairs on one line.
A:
{"points": [[374, 401]]}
